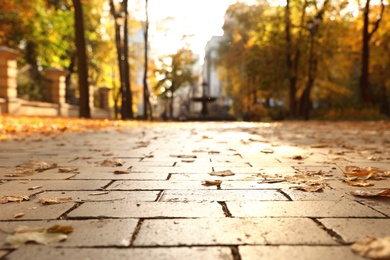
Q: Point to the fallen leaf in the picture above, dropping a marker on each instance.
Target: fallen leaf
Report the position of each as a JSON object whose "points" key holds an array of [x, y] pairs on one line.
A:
{"points": [[19, 215], [222, 173], [38, 165], [184, 156], [107, 154], [267, 150], [46, 201], [127, 171], [35, 188], [272, 180], [212, 182], [7, 199], [112, 163], [60, 229], [21, 172], [23, 235], [373, 248], [69, 169], [310, 188], [364, 193], [358, 183], [297, 157]]}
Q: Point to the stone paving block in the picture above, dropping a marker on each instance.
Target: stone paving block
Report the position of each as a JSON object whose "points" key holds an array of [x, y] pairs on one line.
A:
{"points": [[326, 194], [297, 252], [157, 185], [119, 209], [381, 205], [341, 185], [300, 209], [106, 232], [167, 170], [110, 175], [353, 229], [188, 253], [51, 174], [56, 185], [33, 210], [231, 231], [208, 176], [102, 196], [221, 195], [196, 184]]}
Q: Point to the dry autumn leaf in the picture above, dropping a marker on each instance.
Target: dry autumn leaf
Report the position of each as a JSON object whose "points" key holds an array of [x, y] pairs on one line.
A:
{"points": [[21, 172], [23, 235], [373, 248], [7, 199], [310, 188], [38, 165], [364, 193], [222, 173], [267, 150], [184, 156], [112, 163], [212, 183], [46, 201], [34, 187], [68, 169], [19, 215], [127, 171], [358, 183]]}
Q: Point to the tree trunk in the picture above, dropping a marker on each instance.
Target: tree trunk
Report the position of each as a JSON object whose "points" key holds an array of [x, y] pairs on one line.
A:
{"points": [[364, 88], [146, 96], [365, 93], [289, 62], [82, 68], [128, 94]]}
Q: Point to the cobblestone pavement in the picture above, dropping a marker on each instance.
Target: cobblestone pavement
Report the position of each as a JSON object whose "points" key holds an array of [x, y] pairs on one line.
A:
{"points": [[163, 200]]}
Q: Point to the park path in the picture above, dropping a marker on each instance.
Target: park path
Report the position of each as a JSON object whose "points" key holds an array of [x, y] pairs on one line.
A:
{"points": [[197, 190]]}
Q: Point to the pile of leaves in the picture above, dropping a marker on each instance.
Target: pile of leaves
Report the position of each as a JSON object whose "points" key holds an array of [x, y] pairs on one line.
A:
{"points": [[14, 127]]}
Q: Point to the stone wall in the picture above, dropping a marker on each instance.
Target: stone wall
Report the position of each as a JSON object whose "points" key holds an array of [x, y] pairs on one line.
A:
{"points": [[12, 105]]}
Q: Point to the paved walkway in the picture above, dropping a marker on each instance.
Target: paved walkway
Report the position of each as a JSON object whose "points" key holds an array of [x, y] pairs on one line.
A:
{"points": [[197, 191]]}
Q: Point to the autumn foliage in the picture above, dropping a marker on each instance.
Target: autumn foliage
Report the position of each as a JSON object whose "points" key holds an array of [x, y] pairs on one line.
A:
{"points": [[12, 127]]}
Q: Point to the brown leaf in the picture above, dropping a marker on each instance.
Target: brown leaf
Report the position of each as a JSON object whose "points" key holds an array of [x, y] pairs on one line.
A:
{"points": [[38, 165], [34, 187], [272, 180], [212, 183], [7, 199], [359, 183], [21, 172], [310, 188], [222, 173], [297, 157], [60, 229], [267, 150], [46, 201], [363, 193], [184, 156], [112, 163], [19, 215], [127, 171], [68, 169], [22, 235], [373, 248]]}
